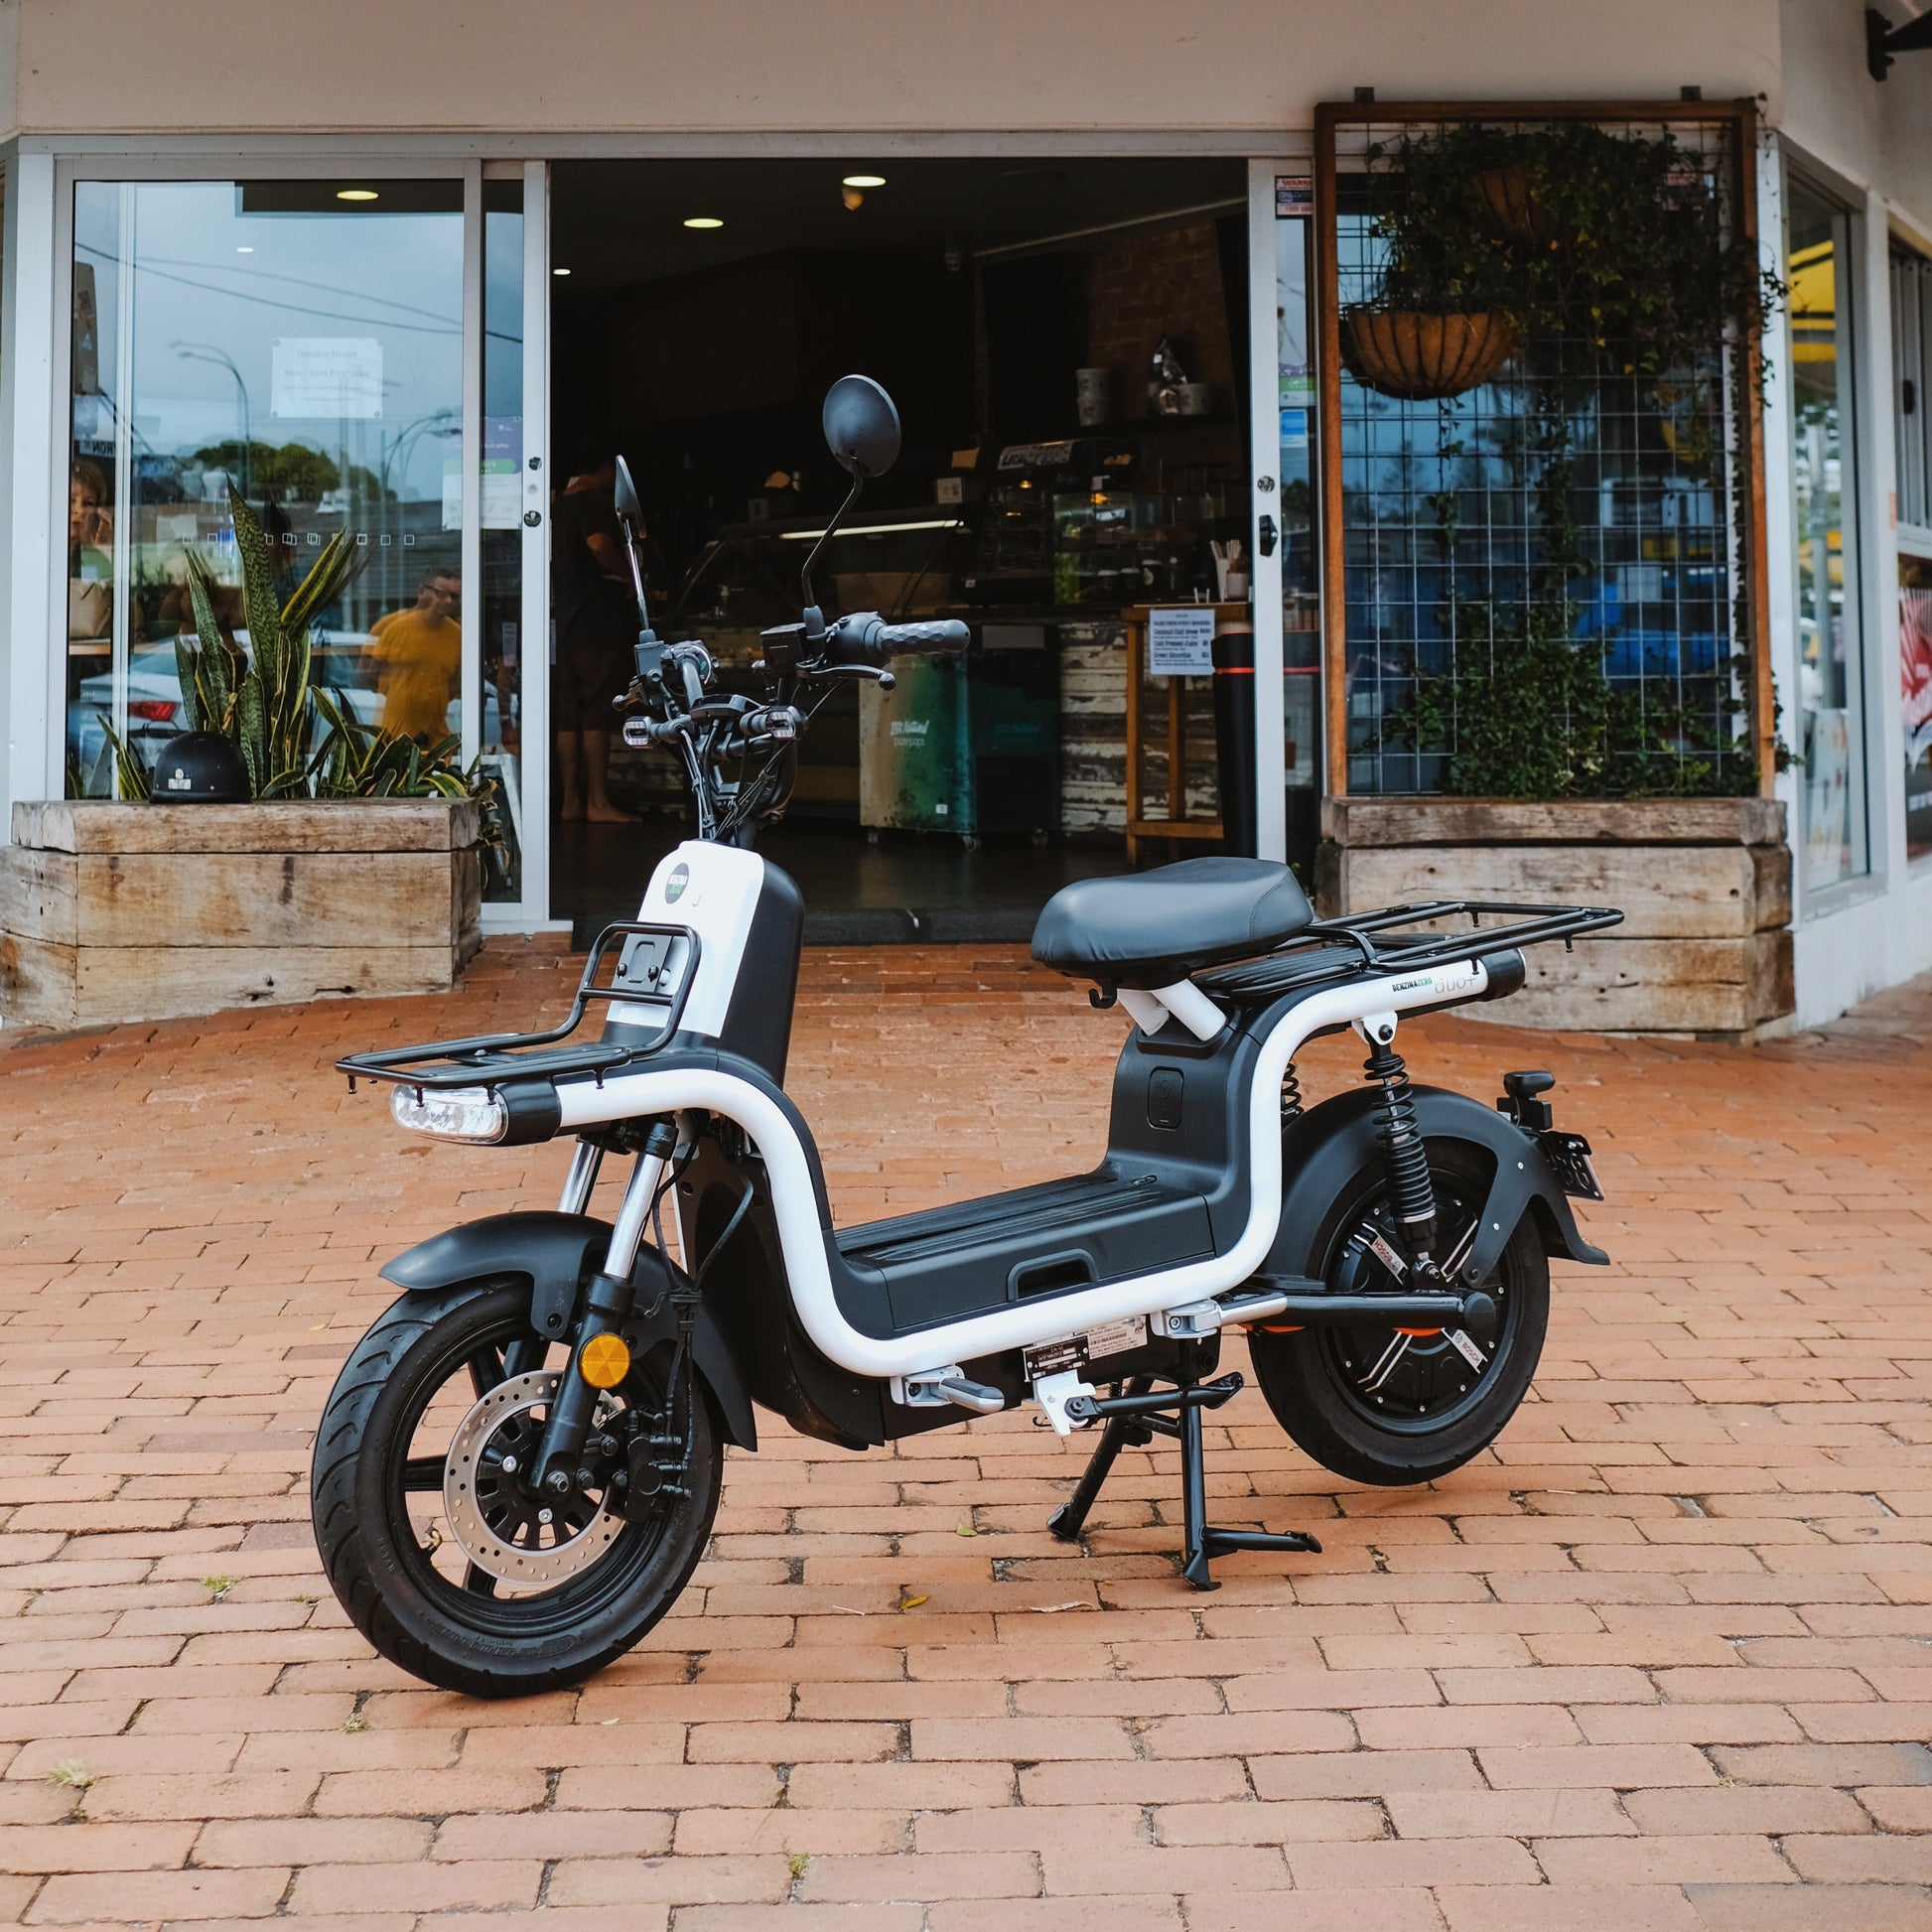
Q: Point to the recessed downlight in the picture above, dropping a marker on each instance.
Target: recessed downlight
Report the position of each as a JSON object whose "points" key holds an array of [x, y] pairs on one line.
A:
{"points": [[242, 248], [703, 222], [560, 271], [356, 195], [864, 180]]}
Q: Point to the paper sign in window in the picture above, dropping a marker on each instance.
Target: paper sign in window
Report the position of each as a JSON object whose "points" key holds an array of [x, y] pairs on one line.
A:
{"points": [[322, 376], [1180, 642]]}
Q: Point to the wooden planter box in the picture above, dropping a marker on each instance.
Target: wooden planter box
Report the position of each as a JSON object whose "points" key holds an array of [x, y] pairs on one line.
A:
{"points": [[112, 912], [1703, 884]]}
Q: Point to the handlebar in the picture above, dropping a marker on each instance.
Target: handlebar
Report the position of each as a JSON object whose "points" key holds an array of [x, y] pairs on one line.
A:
{"points": [[866, 639]]}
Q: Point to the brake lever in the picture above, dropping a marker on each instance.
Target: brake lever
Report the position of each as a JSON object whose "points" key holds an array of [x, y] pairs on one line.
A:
{"points": [[825, 673]]}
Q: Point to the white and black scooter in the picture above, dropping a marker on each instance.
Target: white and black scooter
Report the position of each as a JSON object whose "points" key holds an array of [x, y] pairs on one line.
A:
{"points": [[519, 1466]]}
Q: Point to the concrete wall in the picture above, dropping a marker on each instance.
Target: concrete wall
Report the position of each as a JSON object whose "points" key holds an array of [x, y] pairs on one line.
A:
{"points": [[568, 66]]}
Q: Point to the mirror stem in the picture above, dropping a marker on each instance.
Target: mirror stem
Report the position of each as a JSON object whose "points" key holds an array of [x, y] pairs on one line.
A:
{"points": [[805, 575], [638, 580]]}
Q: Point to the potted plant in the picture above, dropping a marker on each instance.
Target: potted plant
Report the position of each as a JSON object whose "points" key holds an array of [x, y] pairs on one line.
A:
{"points": [[356, 866]]}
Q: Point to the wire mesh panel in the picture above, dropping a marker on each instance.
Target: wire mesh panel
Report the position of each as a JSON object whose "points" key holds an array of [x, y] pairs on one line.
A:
{"points": [[1543, 566]]}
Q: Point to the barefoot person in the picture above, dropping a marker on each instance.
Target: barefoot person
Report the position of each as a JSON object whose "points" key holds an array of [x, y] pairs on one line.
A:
{"points": [[597, 625]]}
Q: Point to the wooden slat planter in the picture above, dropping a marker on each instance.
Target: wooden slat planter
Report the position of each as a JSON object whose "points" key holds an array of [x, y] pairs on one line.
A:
{"points": [[112, 912], [1703, 884]]}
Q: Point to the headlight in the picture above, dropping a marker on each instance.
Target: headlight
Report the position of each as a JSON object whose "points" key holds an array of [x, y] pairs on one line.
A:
{"points": [[453, 1113]]}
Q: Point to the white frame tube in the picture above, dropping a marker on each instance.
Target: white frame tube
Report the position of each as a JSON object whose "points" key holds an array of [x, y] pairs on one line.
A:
{"points": [[802, 1238]]}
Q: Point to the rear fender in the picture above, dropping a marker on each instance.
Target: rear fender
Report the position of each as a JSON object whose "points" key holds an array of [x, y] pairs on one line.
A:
{"points": [[1325, 1149], [557, 1254]]}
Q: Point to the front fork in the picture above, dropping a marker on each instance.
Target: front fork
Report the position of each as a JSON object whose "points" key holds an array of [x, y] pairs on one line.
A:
{"points": [[611, 1296]]}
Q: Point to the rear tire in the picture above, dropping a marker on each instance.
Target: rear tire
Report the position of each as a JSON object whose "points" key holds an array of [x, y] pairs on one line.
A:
{"points": [[463, 1630], [1430, 1411]]}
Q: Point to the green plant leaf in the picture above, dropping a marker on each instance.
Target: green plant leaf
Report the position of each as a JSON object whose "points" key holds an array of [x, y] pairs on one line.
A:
{"points": [[340, 562], [132, 778], [259, 603], [251, 731], [189, 672]]}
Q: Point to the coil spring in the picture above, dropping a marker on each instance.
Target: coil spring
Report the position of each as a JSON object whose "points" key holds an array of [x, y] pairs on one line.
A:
{"points": [[1291, 1093], [1407, 1159]]}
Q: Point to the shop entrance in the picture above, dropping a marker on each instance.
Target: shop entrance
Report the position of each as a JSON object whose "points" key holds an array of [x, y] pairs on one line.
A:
{"points": [[1068, 342]]}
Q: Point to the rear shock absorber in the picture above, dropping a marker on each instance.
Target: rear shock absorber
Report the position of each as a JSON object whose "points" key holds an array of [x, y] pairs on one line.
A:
{"points": [[1291, 1094], [1405, 1158]]}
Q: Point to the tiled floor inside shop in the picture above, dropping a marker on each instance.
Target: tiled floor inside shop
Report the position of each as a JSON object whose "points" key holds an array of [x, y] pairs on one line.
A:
{"points": [[1661, 1662]]}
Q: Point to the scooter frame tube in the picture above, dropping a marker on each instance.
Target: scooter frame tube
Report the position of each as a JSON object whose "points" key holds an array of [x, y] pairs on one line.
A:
{"points": [[802, 1238]]}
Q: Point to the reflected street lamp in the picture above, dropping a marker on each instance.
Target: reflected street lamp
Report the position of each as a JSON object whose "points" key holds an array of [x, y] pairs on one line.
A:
{"points": [[207, 353]]}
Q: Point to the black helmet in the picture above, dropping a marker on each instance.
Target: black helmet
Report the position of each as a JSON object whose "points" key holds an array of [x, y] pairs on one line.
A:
{"points": [[199, 769]]}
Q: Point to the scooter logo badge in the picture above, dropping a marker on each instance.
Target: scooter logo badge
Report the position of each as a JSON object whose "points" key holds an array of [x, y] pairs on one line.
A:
{"points": [[676, 885]]}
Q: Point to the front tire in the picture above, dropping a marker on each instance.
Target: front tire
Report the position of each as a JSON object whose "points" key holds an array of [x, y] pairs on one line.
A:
{"points": [[393, 1557], [1390, 1405]]}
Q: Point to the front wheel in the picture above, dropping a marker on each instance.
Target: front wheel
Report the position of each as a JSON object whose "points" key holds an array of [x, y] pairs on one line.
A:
{"points": [[446, 1558], [1395, 1405]]}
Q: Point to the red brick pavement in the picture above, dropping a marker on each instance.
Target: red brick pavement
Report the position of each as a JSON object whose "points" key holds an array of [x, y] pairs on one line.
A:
{"points": [[1663, 1660]]}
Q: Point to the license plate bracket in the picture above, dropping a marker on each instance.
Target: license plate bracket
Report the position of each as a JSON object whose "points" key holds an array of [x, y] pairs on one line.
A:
{"points": [[1569, 1158]]}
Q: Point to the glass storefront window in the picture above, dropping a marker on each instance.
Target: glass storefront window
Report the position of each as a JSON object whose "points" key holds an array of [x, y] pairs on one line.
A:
{"points": [[302, 342], [1823, 471], [1915, 679]]}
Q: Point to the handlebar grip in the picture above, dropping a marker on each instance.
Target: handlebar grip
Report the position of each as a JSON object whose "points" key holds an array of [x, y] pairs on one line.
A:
{"points": [[938, 634], [866, 639]]}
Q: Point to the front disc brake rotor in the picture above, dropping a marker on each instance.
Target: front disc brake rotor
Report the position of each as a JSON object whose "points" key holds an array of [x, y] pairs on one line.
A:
{"points": [[504, 1525]]}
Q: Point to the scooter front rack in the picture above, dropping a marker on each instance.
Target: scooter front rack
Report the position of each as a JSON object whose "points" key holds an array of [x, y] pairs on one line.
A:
{"points": [[491, 1057], [1134, 1418]]}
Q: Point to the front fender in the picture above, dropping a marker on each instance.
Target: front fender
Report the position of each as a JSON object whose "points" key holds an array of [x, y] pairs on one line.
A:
{"points": [[557, 1254], [1325, 1149]]}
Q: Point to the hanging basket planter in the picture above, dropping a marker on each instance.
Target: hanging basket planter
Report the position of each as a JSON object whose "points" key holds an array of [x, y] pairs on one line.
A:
{"points": [[1511, 207], [1421, 358]]}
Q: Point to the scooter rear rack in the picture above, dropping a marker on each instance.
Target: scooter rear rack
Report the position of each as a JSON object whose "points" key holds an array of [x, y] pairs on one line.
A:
{"points": [[1132, 1419]]}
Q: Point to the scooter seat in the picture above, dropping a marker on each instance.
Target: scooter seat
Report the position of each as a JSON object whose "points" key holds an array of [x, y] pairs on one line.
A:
{"points": [[1152, 928]]}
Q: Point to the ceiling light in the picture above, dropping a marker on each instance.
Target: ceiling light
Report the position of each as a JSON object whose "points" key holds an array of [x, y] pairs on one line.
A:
{"points": [[356, 194], [242, 248], [702, 221], [560, 271], [865, 181]]}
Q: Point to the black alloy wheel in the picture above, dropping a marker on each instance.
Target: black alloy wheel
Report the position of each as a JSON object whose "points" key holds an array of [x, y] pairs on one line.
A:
{"points": [[477, 1580], [1393, 1405]]}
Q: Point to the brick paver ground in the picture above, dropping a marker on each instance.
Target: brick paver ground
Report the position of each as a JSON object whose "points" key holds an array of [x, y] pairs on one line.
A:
{"points": [[1663, 1660]]}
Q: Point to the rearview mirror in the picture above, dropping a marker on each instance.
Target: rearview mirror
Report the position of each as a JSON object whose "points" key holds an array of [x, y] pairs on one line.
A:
{"points": [[629, 509], [860, 426]]}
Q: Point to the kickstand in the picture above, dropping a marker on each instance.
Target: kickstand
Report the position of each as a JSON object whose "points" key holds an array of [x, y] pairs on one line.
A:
{"points": [[1132, 1418]]}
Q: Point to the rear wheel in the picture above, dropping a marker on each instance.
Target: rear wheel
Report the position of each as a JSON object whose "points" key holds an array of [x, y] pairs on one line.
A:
{"points": [[448, 1561], [1391, 1405]]}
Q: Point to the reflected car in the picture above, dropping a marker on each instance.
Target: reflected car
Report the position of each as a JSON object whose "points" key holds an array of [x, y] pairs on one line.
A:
{"points": [[154, 710]]}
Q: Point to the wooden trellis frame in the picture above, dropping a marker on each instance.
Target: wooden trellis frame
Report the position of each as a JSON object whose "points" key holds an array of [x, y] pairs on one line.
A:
{"points": [[1738, 120]]}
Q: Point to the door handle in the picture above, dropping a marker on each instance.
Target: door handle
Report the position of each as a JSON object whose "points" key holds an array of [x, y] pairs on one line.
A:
{"points": [[1266, 545]]}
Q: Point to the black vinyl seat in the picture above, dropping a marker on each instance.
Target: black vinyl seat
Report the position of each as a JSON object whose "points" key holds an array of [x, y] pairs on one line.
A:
{"points": [[1152, 928]]}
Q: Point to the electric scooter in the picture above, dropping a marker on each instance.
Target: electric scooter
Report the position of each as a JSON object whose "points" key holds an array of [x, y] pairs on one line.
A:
{"points": [[519, 1464]]}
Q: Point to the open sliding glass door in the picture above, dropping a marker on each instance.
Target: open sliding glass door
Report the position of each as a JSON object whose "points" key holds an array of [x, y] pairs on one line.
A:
{"points": [[506, 518], [1287, 599]]}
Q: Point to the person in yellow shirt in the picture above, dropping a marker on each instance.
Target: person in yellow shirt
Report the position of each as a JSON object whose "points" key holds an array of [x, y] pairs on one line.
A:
{"points": [[418, 654]]}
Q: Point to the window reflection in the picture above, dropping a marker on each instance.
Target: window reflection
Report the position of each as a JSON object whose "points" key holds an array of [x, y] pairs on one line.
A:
{"points": [[1817, 234], [305, 352]]}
